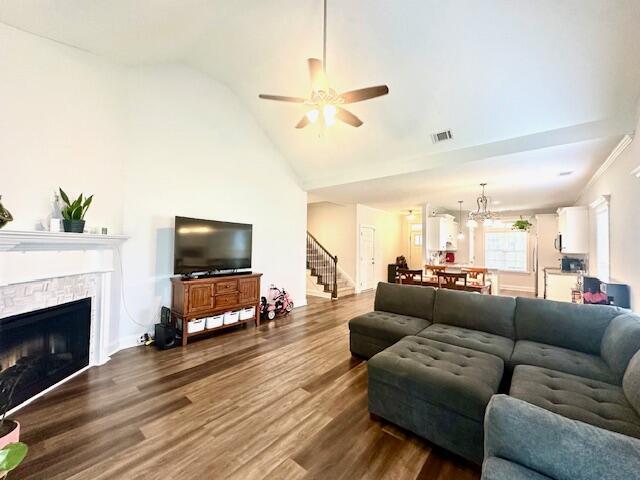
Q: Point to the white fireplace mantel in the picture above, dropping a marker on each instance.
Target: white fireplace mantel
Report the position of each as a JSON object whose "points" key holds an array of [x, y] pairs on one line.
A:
{"points": [[11, 240], [43, 269]]}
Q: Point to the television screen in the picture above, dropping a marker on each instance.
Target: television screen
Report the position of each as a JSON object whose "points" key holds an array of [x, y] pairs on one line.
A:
{"points": [[207, 245]]}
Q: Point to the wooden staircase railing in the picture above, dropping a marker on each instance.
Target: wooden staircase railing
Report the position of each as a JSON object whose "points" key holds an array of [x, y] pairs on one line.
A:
{"points": [[323, 265]]}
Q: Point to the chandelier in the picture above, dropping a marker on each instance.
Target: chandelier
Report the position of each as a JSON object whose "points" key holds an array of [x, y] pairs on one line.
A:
{"points": [[483, 214]]}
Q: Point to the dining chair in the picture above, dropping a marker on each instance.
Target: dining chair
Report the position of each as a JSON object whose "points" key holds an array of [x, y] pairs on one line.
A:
{"points": [[477, 275], [452, 280], [431, 271], [408, 276]]}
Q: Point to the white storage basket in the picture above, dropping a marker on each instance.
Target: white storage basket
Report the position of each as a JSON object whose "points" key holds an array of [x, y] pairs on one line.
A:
{"points": [[215, 321], [247, 313], [231, 317], [195, 326]]}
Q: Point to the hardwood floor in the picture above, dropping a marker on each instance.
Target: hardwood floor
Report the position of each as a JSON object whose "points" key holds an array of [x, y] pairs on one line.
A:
{"points": [[284, 401]]}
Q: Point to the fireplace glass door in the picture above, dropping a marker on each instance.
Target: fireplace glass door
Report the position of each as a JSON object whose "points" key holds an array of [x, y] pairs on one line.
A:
{"points": [[40, 348]]}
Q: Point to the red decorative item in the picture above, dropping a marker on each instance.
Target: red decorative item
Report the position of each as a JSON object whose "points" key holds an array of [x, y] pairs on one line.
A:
{"points": [[450, 257]]}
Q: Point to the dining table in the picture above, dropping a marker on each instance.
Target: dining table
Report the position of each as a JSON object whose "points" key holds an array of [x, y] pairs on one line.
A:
{"points": [[432, 281]]}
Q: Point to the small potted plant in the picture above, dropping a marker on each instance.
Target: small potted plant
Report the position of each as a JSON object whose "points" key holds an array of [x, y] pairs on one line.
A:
{"points": [[522, 225], [11, 456], [73, 212]]}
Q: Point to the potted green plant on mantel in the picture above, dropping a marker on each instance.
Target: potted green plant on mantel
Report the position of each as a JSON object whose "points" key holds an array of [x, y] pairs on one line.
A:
{"points": [[73, 212]]}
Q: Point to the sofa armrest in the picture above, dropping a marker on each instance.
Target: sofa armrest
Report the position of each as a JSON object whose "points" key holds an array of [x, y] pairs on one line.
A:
{"points": [[556, 446]]}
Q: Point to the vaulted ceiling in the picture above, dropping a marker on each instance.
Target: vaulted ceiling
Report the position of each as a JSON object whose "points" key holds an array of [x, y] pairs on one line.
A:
{"points": [[517, 82]]}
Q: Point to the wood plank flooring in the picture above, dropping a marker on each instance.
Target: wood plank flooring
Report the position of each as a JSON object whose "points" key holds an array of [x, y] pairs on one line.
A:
{"points": [[283, 401]]}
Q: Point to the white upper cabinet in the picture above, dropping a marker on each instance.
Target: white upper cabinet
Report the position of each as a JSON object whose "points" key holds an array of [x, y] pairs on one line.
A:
{"points": [[573, 230], [443, 233]]}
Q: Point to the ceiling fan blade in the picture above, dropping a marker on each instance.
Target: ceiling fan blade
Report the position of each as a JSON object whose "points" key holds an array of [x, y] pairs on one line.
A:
{"points": [[317, 75], [347, 117], [280, 98], [364, 94], [303, 122]]}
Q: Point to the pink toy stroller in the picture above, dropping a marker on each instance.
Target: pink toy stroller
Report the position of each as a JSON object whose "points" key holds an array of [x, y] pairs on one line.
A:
{"points": [[279, 303]]}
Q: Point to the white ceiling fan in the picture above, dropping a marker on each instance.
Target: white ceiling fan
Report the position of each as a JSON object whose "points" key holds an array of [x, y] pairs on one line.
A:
{"points": [[324, 103]]}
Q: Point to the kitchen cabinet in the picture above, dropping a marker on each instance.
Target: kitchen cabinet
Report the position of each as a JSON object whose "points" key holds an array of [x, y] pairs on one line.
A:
{"points": [[573, 230], [442, 233]]}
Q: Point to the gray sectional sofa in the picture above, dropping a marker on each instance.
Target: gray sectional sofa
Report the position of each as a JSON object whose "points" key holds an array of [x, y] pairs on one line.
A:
{"points": [[438, 357]]}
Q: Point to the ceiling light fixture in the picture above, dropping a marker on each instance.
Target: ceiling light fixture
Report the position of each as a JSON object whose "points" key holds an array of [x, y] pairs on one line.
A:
{"points": [[325, 104], [411, 216], [483, 214], [460, 234]]}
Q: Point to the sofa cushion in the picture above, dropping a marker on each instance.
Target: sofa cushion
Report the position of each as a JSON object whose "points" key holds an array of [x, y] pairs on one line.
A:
{"points": [[463, 337], [387, 326], [458, 379], [561, 359], [559, 447], [620, 342], [495, 468], [566, 325], [631, 382], [410, 300], [597, 403], [487, 313]]}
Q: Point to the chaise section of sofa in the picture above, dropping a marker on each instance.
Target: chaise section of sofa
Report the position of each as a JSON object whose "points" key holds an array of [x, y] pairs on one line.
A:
{"points": [[436, 390], [399, 311]]}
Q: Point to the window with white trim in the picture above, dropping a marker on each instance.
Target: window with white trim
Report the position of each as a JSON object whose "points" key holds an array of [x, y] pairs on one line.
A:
{"points": [[506, 250]]}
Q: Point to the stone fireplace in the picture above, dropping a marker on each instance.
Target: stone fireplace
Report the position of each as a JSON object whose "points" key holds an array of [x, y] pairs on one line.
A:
{"points": [[58, 289]]}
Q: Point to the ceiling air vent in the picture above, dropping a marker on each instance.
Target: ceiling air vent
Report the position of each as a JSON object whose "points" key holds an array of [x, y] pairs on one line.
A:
{"points": [[441, 136]]}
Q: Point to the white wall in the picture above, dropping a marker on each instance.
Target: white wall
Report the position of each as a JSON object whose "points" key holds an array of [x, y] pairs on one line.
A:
{"points": [[334, 226], [388, 238], [150, 143], [195, 151], [624, 222], [61, 125]]}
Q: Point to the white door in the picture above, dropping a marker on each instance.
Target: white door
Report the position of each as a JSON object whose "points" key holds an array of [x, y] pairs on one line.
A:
{"points": [[415, 250], [367, 258]]}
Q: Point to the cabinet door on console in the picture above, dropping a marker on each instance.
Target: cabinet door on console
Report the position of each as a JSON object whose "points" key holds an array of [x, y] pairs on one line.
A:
{"points": [[200, 298], [248, 288]]}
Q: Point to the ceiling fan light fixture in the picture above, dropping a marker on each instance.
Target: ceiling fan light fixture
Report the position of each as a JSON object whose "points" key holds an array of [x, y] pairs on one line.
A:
{"points": [[313, 115], [329, 114], [325, 99]]}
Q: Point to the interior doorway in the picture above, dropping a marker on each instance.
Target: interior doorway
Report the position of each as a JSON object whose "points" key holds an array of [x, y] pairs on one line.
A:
{"points": [[367, 263], [415, 249]]}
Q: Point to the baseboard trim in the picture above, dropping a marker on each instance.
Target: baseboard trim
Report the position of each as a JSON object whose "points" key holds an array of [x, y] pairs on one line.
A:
{"points": [[124, 342]]}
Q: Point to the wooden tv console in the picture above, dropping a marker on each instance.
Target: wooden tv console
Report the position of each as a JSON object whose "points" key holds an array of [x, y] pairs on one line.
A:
{"points": [[193, 299]]}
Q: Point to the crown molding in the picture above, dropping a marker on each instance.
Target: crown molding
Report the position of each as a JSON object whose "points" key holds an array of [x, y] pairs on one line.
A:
{"points": [[613, 156]]}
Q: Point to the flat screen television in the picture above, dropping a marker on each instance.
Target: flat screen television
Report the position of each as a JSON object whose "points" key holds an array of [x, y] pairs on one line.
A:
{"points": [[209, 245]]}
